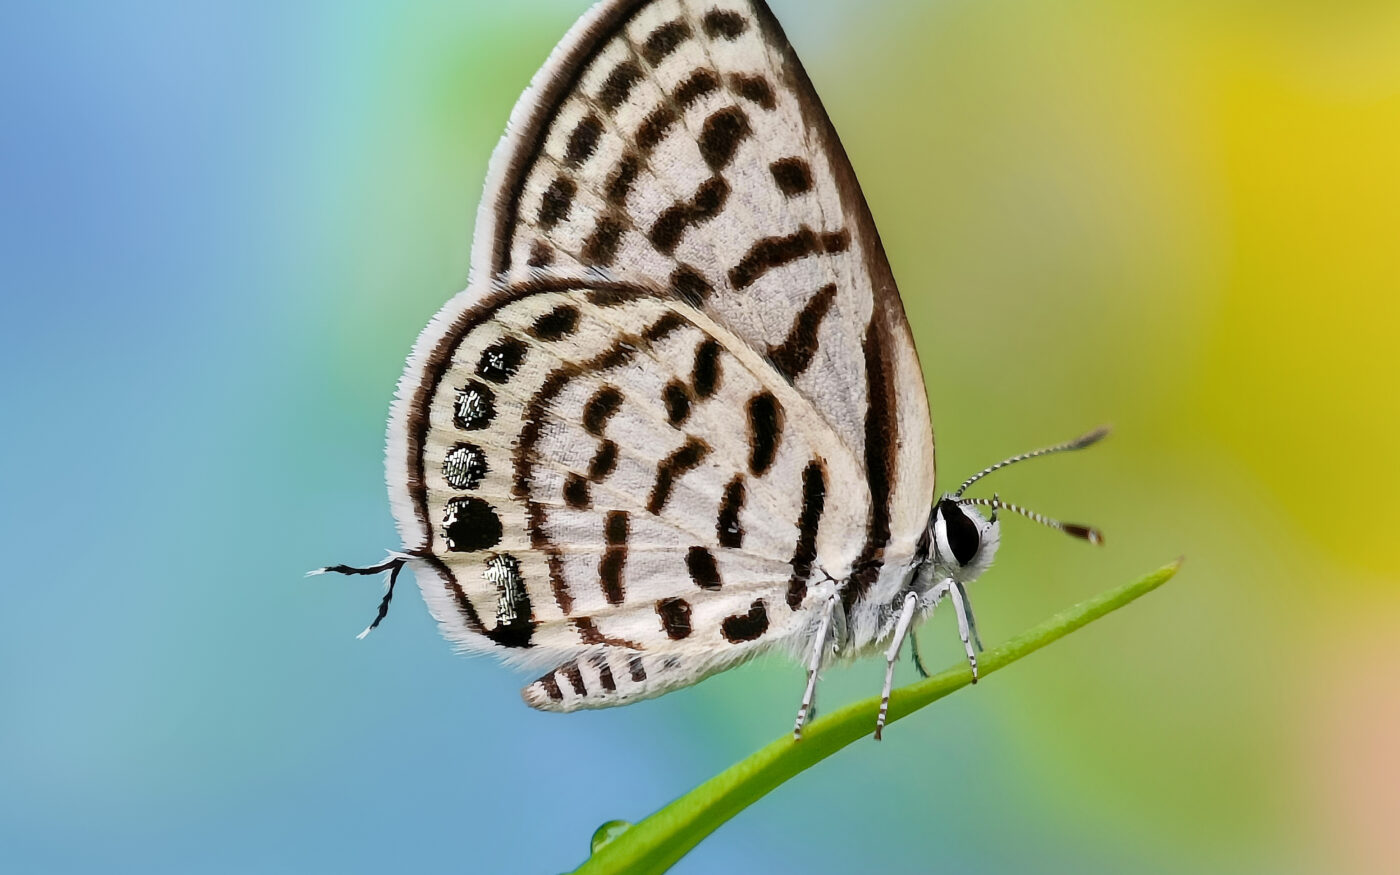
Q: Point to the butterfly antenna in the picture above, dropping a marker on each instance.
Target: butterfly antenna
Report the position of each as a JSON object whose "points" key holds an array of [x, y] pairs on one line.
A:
{"points": [[394, 564], [1086, 533], [1078, 443]]}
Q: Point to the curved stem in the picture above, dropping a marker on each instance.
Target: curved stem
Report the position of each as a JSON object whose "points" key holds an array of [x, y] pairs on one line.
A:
{"points": [[655, 844]]}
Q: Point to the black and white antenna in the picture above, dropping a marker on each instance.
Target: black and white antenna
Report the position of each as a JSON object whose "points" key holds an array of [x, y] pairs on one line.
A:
{"points": [[1078, 443], [1086, 533]]}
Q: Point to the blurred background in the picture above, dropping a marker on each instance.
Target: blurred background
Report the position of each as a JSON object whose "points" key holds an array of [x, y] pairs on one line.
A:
{"points": [[222, 225]]}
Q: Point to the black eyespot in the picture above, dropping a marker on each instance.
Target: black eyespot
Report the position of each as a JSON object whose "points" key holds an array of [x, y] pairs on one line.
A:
{"points": [[962, 532]]}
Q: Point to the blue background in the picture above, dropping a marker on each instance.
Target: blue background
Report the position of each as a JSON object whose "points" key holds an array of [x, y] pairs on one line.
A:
{"points": [[223, 224]]}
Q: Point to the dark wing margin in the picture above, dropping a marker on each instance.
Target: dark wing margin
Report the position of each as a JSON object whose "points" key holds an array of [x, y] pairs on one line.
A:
{"points": [[888, 330]]}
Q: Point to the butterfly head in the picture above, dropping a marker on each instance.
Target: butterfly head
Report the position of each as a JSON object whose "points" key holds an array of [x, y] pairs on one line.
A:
{"points": [[964, 542]]}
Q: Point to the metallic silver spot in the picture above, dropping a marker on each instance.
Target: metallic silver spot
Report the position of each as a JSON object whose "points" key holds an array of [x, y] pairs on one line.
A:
{"points": [[464, 466], [503, 572], [475, 407]]}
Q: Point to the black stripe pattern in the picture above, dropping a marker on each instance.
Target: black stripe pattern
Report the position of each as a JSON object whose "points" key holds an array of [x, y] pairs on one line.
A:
{"points": [[765, 432], [771, 253], [813, 503], [672, 468], [794, 355], [616, 529]]}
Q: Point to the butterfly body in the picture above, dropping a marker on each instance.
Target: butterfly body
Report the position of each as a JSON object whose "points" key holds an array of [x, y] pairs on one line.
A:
{"points": [[676, 419]]}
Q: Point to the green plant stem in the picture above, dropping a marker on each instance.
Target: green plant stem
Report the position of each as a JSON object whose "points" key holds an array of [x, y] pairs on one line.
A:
{"points": [[656, 843]]}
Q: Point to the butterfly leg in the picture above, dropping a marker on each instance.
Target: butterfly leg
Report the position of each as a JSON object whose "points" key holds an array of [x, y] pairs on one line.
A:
{"points": [[901, 629], [918, 659], [971, 620], [966, 624], [814, 665]]}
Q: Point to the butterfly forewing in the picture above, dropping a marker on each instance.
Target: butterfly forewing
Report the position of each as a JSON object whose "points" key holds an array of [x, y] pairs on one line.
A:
{"points": [[680, 337], [683, 156]]}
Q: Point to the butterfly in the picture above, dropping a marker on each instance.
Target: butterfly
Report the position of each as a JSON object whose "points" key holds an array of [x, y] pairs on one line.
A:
{"points": [[677, 419]]}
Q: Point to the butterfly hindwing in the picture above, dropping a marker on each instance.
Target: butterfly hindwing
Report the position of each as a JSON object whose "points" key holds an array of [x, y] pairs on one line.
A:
{"points": [[586, 483]]}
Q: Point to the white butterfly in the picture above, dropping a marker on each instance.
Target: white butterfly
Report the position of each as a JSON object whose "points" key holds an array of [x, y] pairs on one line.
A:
{"points": [[676, 419]]}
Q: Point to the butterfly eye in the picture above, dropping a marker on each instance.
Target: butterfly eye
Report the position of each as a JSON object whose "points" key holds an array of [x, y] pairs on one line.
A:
{"points": [[963, 537]]}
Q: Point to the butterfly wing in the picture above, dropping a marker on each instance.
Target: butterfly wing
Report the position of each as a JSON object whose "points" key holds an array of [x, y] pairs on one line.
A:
{"points": [[671, 162]]}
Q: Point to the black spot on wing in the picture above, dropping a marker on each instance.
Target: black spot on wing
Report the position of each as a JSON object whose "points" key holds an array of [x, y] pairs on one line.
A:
{"points": [[728, 529], [655, 128], [709, 199], [675, 618], [705, 374], [501, 360], [556, 324], [603, 463], [609, 297], [836, 241], [619, 84], [541, 255], [721, 135], [572, 674], [704, 571], [677, 399], [746, 627], [664, 40], [469, 525], [727, 526], [793, 176], [583, 142], [699, 84], [605, 675], [616, 529], [475, 407], [515, 624], [464, 466], [690, 285], [551, 687], [724, 24], [576, 492], [600, 249], [600, 408], [666, 231], [557, 202], [765, 432], [664, 327], [754, 89], [622, 179]]}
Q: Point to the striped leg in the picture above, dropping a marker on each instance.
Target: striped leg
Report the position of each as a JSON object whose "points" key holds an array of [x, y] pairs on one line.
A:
{"points": [[966, 624], [971, 620], [906, 616], [813, 666]]}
